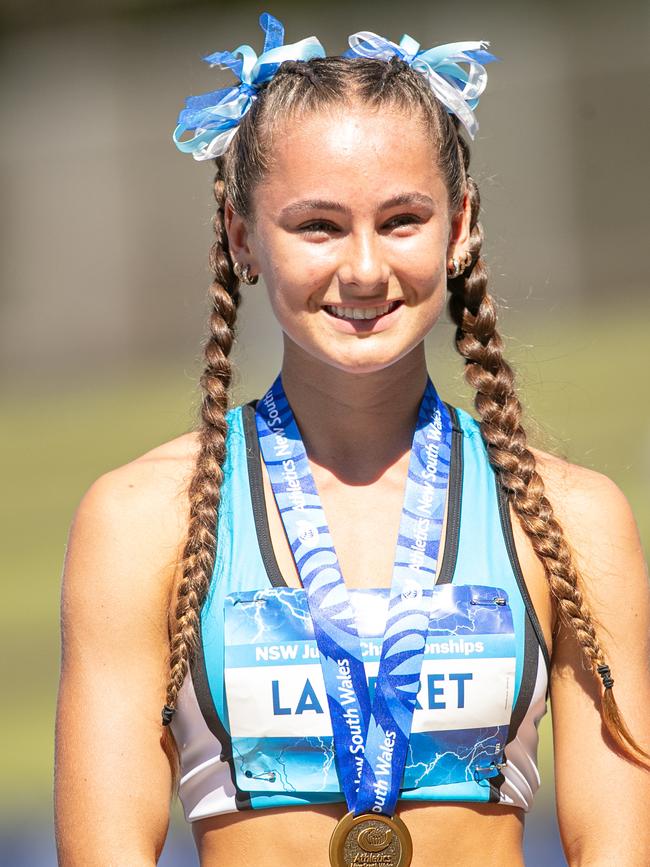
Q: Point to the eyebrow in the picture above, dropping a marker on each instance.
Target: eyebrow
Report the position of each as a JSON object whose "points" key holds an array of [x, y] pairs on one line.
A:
{"points": [[296, 208]]}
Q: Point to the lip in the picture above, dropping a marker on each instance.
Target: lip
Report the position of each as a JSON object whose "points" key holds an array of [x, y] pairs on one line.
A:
{"points": [[364, 326]]}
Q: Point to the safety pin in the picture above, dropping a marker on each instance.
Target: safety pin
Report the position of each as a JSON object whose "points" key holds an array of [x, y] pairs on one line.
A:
{"points": [[269, 776], [496, 600], [497, 765]]}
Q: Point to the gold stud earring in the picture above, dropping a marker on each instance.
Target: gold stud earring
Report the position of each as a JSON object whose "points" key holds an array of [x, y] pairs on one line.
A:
{"points": [[244, 274], [453, 268], [248, 277]]}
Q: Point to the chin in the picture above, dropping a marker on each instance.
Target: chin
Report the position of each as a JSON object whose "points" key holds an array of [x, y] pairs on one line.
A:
{"points": [[359, 361], [353, 355]]}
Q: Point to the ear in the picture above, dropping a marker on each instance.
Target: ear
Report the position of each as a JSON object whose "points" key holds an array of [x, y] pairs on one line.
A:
{"points": [[239, 232], [459, 231]]}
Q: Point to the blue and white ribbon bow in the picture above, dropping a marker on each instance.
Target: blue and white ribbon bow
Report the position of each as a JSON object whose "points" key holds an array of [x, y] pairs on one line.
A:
{"points": [[214, 116], [457, 89]]}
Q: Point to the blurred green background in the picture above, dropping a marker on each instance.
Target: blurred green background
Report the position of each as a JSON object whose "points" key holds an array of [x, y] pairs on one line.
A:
{"points": [[104, 271]]}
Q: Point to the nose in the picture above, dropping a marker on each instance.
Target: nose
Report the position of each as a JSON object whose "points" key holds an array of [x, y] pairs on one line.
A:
{"points": [[364, 265]]}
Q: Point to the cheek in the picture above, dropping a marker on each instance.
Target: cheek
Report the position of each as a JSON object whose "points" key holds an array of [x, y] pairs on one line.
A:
{"points": [[291, 294], [422, 277], [422, 257], [290, 297], [296, 281]]}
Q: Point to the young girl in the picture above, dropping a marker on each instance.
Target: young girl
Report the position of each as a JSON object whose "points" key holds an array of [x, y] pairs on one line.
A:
{"points": [[354, 628]]}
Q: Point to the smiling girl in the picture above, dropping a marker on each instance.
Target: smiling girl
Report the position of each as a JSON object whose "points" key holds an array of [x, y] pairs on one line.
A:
{"points": [[355, 627]]}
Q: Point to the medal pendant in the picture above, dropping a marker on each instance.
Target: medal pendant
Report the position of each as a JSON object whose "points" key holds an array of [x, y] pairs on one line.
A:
{"points": [[370, 838]]}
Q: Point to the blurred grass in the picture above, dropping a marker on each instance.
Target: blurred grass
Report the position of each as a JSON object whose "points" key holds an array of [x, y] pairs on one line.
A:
{"points": [[584, 382]]}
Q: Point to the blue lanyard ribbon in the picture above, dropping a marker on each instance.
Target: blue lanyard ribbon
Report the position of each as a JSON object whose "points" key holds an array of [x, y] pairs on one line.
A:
{"points": [[371, 742]]}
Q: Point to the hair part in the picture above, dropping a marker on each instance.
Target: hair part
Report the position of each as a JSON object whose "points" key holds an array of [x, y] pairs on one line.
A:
{"points": [[316, 85]]}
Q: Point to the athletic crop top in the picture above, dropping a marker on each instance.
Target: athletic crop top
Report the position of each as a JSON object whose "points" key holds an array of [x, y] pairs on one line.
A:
{"points": [[252, 723]]}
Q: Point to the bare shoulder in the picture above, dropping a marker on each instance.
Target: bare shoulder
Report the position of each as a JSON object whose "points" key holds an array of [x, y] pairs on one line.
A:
{"points": [[163, 469], [130, 525], [603, 537], [120, 564], [562, 475], [605, 545], [150, 488], [591, 507]]}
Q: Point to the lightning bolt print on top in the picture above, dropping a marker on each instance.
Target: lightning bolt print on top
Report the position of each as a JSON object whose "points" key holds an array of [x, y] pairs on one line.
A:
{"points": [[253, 723]]}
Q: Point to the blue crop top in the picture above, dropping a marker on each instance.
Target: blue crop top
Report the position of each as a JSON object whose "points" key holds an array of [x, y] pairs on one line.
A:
{"points": [[252, 725]]}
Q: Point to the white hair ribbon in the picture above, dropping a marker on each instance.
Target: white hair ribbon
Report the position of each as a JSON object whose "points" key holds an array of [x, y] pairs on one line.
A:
{"points": [[457, 89]]}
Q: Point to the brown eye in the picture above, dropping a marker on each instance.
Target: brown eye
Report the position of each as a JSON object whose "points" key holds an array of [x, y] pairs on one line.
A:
{"points": [[404, 220], [317, 226]]}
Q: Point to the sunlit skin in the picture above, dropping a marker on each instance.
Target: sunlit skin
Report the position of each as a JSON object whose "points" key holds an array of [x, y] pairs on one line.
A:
{"points": [[363, 253], [355, 388]]}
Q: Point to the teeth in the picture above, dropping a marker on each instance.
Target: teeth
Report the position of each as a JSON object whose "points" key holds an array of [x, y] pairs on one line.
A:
{"points": [[359, 313]]}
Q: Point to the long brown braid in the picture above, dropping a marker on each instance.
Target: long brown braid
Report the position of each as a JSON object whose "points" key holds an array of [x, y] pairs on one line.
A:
{"points": [[300, 86], [473, 311], [205, 485]]}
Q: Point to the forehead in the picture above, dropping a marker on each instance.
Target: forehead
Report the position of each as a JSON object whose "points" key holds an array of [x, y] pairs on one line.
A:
{"points": [[350, 153]]}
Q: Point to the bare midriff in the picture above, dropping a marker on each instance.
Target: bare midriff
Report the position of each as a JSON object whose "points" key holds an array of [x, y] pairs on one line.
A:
{"points": [[453, 835]]}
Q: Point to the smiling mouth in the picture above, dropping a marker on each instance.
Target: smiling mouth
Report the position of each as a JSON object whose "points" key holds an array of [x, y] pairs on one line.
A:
{"points": [[361, 312]]}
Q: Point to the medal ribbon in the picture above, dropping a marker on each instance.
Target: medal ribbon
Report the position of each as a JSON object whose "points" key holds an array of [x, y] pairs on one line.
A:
{"points": [[371, 742]]}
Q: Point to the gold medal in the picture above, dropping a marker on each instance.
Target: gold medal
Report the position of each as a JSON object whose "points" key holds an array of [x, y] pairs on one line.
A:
{"points": [[370, 838]]}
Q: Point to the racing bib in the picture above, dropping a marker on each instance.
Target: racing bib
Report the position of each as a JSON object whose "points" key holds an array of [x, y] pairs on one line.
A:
{"points": [[277, 707]]}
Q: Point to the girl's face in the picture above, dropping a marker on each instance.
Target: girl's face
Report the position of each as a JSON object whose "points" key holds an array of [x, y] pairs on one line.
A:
{"points": [[351, 235]]}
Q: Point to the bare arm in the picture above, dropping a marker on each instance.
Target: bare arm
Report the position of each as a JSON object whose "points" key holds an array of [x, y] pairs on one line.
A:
{"points": [[602, 798], [112, 779]]}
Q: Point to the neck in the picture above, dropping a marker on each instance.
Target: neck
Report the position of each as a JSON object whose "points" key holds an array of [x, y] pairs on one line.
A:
{"points": [[354, 425]]}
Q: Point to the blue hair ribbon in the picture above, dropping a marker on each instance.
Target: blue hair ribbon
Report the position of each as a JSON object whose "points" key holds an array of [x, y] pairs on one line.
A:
{"points": [[459, 90], [214, 116]]}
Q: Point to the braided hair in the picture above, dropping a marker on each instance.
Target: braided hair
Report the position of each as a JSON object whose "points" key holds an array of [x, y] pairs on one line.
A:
{"points": [[311, 85], [205, 485], [473, 311]]}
